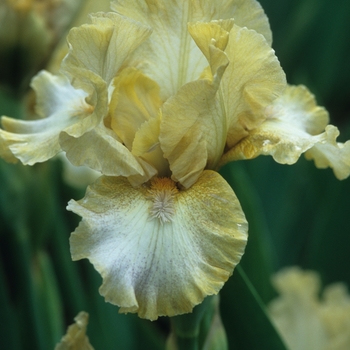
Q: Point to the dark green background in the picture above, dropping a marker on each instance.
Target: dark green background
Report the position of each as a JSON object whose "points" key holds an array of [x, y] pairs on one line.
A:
{"points": [[298, 215]]}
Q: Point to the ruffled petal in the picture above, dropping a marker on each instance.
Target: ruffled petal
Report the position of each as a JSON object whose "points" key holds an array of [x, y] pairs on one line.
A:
{"points": [[170, 57], [331, 154], [37, 140], [307, 319], [97, 92], [102, 46], [135, 100], [146, 146], [252, 81], [290, 129], [193, 127], [160, 250], [76, 338], [295, 313]]}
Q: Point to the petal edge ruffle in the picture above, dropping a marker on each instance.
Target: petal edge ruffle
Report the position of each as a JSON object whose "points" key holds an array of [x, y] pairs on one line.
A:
{"points": [[159, 268]]}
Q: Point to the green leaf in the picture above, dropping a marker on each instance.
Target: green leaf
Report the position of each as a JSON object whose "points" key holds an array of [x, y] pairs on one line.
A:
{"points": [[9, 326], [258, 260], [247, 325]]}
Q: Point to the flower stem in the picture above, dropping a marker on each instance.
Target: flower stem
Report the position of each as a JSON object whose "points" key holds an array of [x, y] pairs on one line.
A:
{"points": [[200, 329]]}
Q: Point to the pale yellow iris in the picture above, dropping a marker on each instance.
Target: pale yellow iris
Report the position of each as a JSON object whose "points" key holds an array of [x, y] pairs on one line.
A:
{"points": [[155, 96], [306, 320], [76, 338]]}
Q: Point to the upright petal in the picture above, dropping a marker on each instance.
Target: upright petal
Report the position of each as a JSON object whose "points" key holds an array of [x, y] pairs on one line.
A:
{"points": [[170, 57], [102, 46], [146, 146], [63, 106], [252, 81], [160, 264], [135, 100], [193, 128]]}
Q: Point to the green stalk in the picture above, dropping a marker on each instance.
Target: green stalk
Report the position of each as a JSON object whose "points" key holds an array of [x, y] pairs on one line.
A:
{"points": [[186, 328], [34, 334], [9, 331]]}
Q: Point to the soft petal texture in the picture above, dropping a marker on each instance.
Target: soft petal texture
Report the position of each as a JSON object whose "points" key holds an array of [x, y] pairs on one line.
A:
{"points": [[206, 119], [101, 150], [108, 148], [146, 146], [306, 321], [135, 119], [79, 177], [5, 152], [63, 106], [153, 267], [252, 81], [335, 315], [332, 154], [170, 57], [294, 312], [195, 113], [102, 47], [135, 100], [292, 126], [76, 338]]}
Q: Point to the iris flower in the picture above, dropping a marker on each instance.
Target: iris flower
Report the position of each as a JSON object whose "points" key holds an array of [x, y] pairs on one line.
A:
{"points": [[303, 318], [156, 96], [76, 337]]}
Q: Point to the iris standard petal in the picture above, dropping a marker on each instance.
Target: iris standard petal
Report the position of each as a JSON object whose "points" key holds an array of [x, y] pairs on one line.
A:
{"points": [[195, 112], [170, 57], [252, 81], [160, 250], [37, 140], [102, 46], [146, 146], [135, 99], [293, 124]]}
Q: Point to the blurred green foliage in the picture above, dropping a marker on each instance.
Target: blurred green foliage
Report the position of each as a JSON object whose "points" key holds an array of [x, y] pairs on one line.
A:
{"points": [[298, 215]]}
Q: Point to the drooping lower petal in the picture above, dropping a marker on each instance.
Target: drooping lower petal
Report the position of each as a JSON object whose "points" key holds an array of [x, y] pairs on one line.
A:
{"points": [[293, 126], [160, 250], [37, 140], [335, 155], [101, 150]]}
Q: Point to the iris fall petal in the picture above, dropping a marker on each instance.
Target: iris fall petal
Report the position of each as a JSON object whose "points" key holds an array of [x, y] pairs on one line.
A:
{"points": [[101, 150], [330, 153], [37, 140], [160, 264], [294, 125]]}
